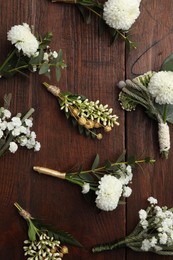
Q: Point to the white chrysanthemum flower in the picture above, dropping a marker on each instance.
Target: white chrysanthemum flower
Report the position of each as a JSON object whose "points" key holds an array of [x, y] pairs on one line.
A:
{"points": [[85, 188], [127, 191], [13, 147], [161, 87], [23, 39], [108, 193], [152, 200], [121, 14]]}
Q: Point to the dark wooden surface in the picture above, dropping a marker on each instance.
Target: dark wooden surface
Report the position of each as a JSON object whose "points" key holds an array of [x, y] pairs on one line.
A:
{"points": [[93, 70]]}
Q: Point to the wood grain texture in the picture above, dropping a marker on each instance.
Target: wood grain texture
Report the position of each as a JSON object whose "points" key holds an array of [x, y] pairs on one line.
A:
{"points": [[93, 70]]}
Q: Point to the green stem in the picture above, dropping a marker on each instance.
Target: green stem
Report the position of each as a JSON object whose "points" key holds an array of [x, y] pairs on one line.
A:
{"points": [[113, 164], [165, 112], [7, 60], [108, 247], [72, 180]]}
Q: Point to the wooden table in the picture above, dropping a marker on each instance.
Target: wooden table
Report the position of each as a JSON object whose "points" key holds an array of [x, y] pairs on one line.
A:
{"points": [[94, 68]]}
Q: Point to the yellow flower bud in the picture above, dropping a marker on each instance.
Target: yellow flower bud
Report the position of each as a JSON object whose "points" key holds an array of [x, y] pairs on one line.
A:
{"points": [[107, 128], [97, 125], [82, 121], [64, 250], [89, 124], [74, 112], [99, 136]]}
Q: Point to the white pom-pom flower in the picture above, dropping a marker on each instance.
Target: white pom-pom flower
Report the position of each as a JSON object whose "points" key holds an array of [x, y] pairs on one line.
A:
{"points": [[121, 14], [161, 87], [23, 39], [108, 193]]}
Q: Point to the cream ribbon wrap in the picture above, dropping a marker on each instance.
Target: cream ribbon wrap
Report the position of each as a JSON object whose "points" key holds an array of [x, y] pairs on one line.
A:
{"points": [[164, 137]]}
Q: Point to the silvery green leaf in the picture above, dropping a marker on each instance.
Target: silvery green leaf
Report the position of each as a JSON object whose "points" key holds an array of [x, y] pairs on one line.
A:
{"points": [[167, 65]]}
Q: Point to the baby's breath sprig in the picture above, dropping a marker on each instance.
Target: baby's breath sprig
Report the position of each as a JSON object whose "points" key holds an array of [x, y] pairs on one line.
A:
{"points": [[16, 131], [31, 53], [88, 115], [109, 182], [153, 233], [43, 242], [114, 16]]}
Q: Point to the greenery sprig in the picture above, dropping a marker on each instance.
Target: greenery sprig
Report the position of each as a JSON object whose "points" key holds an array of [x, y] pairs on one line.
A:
{"points": [[43, 241], [114, 177], [114, 17], [153, 233], [88, 116], [31, 53]]}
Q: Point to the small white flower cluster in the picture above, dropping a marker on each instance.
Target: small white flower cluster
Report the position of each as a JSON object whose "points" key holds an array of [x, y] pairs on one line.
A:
{"points": [[121, 15], [20, 131], [161, 87], [47, 58], [94, 111], [111, 188], [45, 248], [160, 229], [23, 39]]}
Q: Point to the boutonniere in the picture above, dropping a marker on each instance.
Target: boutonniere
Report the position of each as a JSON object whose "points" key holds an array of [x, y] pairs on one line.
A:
{"points": [[115, 16], [43, 241], [89, 116], [16, 130], [109, 182], [153, 233], [153, 91], [30, 53]]}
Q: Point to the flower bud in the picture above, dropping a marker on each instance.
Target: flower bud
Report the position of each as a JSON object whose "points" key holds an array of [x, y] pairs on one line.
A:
{"points": [[82, 121], [97, 125], [89, 124], [64, 250], [74, 112], [99, 136], [107, 128]]}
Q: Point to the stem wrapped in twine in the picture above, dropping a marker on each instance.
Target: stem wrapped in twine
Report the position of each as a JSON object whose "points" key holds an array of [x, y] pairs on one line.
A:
{"points": [[164, 139], [52, 89]]}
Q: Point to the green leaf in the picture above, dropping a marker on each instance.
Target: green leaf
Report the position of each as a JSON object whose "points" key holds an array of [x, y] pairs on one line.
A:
{"points": [[84, 13], [167, 65], [44, 68], [107, 165], [65, 238], [59, 58], [102, 26], [95, 163], [131, 160], [169, 114], [121, 157], [31, 231], [7, 100], [58, 73], [87, 177], [37, 60]]}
